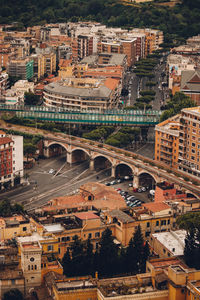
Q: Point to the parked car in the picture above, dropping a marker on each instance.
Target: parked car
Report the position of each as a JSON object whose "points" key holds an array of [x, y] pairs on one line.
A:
{"points": [[135, 190], [130, 184], [51, 171], [113, 182], [107, 183], [126, 177], [119, 180], [143, 189]]}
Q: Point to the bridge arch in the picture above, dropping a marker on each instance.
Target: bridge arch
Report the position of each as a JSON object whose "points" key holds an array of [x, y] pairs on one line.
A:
{"points": [[79, 155], [102, 162], [147, 179], [56, 149], [123, 169]]}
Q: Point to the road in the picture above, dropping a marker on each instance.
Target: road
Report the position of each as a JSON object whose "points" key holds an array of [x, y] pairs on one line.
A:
{"points": [[44, 186]]}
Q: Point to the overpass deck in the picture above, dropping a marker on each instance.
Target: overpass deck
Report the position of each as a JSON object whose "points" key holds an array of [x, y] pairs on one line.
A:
{"points": [[107, 117]]}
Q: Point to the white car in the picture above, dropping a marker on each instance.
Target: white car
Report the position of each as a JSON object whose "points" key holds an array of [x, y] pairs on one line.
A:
{"points": [[51, 171]]}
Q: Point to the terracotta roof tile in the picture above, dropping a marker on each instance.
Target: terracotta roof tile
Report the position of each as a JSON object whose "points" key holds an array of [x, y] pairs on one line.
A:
{"points": [[5, 140], [156, 207], [86, 215]]}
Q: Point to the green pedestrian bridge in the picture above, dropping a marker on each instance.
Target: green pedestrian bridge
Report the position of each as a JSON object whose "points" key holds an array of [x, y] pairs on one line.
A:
{"points": [[90, 117]]}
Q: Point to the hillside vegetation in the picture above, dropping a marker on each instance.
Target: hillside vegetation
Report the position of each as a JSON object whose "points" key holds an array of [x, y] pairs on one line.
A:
{"points": [[179, 22]]}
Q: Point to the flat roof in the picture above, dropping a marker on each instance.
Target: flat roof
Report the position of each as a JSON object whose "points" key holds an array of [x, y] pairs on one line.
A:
{"points": [[122, 216], [54, 228], [174, 241], [73, 284]]}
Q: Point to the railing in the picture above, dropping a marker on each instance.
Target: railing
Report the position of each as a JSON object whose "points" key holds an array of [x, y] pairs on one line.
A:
{"points": [[105, 117]]}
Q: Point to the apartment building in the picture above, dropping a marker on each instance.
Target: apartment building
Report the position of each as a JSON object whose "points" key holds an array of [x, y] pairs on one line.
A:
{"points": [[167, 142], [126, 46], [49, 59], [22, 68], [11, 152], [83, 93], [189, 138], [177, 141]]}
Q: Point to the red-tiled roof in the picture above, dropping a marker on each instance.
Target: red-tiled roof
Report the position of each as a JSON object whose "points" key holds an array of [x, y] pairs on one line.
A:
{"points": [[5, 140], [156, 207], [86, 215]]}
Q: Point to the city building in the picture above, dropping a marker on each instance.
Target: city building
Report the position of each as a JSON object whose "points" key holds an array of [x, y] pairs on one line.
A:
{"points": [[190, 84], [12, 227], [49, 57], [168, 244], [21, 68], [189, 147], [126, 46], [83, 93], [177, 141], [11, 152], [3, 84], [167, 142]]}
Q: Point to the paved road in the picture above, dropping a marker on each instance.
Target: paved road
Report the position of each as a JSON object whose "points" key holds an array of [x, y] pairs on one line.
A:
{"points": [[45, 186]]}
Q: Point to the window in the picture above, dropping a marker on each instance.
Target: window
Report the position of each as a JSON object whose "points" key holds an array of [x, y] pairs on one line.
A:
{"points": [[157, 223], [168, 222], [163, 222], [193, 144], [35, 267], [97, 234], [12, 281], [164, 250], [89, 235], [148, 224], [29, 267], [50, 248], [24, 228]]}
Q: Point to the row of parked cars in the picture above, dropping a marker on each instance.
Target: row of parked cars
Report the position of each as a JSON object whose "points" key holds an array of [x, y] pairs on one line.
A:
{"points": [[119, 180], [131, 200]]}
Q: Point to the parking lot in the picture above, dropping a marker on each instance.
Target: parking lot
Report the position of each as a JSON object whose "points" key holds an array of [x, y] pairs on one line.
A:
{"points": [[133, 197]]}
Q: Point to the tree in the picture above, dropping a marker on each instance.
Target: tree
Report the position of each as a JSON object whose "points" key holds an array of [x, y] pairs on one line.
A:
{"points": [[108, 254], [31, 99], [67, 264], [29, 150], [13, 294], [88, 259], [131, 261], [6, 209], [190, 247], [176, 104], [77, 257], [138, 244]]}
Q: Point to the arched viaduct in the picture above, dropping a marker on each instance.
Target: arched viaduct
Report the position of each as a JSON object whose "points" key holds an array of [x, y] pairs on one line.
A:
{"points": [[78, 150]]}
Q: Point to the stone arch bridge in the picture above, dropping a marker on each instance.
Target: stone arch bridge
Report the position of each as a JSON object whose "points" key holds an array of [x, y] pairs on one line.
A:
{"points": [[78, 149]]}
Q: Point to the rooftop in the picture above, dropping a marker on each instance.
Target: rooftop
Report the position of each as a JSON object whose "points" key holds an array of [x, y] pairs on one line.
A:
{"points": [[86, 215], [120, 215], [174, 241], [156, 207]]}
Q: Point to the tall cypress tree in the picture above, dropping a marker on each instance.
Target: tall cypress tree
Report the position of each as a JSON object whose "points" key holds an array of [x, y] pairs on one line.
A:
{"points": [[138, 244], [66, 262], [190, 248], [77, 254], [131, 258], [108, 254], [88, 257]]}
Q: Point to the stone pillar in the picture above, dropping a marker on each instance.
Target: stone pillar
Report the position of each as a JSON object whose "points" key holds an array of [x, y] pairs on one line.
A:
{"points": [[91, 164], [136, 181], [69, 158], [113, 171], [46, 152]]}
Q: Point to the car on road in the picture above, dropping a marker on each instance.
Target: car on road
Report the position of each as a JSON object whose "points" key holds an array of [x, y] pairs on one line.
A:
{"points": [[113, 182], [51, 171], [107, 183], [126, 177]]}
